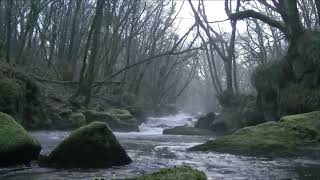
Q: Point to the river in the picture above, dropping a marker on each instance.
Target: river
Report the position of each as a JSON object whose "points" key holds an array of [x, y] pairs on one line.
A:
{"points": [[150, 151]]}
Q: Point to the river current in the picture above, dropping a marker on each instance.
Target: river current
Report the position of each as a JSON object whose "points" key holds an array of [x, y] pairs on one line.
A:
{"points": [[150, 151]]}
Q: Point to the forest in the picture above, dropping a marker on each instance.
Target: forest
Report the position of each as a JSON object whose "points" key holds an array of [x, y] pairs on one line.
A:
{"points": [[159, 89]]}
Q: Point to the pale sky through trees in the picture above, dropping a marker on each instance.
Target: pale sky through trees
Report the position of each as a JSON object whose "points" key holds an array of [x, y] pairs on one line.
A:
{"points": [[215, 11]]}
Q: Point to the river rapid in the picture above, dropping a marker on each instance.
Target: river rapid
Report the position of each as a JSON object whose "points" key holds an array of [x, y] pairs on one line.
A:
{"points": [[150, 151]]}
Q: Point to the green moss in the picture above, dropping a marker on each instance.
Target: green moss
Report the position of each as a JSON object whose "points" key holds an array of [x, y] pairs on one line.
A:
{"points": [[179, 173], [91, 132], [13, 134], [121, 114], [20, 97], [114, 119], [77, 119], [10, 89], [16, 145], [95, 145], [283, 138], [184, 130]]}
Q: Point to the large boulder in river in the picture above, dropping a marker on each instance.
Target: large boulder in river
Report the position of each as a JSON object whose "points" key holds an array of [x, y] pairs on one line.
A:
{"points": [[290, 136], [117, 119], [16, 145], [177, 173], [185, 130], [91, 146]]}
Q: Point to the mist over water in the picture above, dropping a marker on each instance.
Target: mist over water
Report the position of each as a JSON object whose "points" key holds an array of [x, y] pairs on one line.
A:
{"points": [[150, 151]]}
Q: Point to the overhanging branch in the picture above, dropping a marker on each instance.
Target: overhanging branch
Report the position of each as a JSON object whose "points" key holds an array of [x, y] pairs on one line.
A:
{"points": [[253, 14]]}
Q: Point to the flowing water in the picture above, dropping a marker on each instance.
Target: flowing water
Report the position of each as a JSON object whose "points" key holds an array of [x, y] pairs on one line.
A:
{"points": [[150, 151]]}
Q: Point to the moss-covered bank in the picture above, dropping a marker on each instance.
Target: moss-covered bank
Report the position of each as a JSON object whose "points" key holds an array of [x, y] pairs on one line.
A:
{"points": [[284, 138], [178, 173], [16, 145], [21, 98]]}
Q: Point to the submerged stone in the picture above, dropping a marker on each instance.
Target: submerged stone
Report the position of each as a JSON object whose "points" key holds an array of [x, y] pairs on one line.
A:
{"points": [[16, 145], [287, 137], [91, 146]]}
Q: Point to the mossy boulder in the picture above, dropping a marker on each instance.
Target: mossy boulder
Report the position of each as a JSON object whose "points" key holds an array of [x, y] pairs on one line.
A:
{"points": [[117, 119], [91, 146], [287, 137], [178, 173], [204, 122], [16, 145], [185, 130]]}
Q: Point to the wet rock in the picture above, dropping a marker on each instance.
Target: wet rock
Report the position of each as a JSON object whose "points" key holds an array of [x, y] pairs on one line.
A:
{"points": [[16, 145], [287, 137], [204, 122], [91, 146], [241, 114], [185, 130], [177, 173]]}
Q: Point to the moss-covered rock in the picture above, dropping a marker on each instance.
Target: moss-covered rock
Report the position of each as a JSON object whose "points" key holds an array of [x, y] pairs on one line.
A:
{"points": [[122, 114], [16, 145], [185, 130], [91, 146], [117, 119], [178, 173], [284, 138]]}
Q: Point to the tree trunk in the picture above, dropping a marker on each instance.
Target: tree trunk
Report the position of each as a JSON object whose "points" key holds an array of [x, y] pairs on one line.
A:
{"points": [[318, 9], [228, 69], [90, 75], [9, 29], [32, 18], [70, 65], [290, 14]]}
